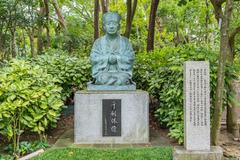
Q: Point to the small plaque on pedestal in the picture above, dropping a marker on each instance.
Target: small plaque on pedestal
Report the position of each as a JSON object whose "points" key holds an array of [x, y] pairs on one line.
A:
{"points": [[111, 117]]}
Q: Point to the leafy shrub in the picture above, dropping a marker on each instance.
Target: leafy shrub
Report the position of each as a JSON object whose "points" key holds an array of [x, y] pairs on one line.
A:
{"points": [[26, 147], [29, 100], [6, 157], [146, 63], [161, 73], [71, 72]]}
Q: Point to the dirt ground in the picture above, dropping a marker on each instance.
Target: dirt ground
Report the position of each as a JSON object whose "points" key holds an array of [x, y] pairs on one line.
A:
{"points": [[230, 147]]}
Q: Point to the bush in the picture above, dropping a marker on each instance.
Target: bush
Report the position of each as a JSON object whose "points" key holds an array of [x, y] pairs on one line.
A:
{"points": [[26, 147], [29, 100], [72, 73], [161, 73], [147, 63], [6, 157]]}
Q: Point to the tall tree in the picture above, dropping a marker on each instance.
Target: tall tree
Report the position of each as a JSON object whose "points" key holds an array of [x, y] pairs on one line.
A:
{"points": [[40, 27], [12, 21], [46, 4], [151, 25], [104, 4], [229, 41], [223, 16], [232, 117], [96, 19], [131, 9], [207, 21]]}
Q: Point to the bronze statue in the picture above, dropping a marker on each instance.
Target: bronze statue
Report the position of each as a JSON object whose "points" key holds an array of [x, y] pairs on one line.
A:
{"points": [[112, 56]]}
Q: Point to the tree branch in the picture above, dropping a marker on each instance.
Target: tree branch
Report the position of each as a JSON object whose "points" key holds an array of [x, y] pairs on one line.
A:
{"points": [[59, 14], [134, 9]]}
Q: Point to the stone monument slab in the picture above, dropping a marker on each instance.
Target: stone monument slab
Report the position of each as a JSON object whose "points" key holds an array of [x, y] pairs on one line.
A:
{"points": [[125, 114], [197, 115], [196, 105]]}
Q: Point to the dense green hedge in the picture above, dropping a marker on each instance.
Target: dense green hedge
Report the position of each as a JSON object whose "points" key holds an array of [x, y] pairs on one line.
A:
{"points": [[72, 73]]}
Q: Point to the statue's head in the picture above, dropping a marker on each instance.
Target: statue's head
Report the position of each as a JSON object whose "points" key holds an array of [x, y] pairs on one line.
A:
{"points": [[111, 23]]}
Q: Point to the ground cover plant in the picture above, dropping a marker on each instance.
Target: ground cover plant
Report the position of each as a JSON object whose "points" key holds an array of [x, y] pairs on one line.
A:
{"points": [[160, 153], [26, 147]]}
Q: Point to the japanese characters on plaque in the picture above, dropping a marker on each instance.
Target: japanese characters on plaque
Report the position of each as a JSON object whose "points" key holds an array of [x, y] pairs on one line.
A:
{"points": [[198, 96], [111, 118], [196, 105], [197, 93]]}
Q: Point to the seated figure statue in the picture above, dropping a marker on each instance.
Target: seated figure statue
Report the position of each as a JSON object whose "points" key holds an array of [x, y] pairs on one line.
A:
{"points": [[112, 56]]}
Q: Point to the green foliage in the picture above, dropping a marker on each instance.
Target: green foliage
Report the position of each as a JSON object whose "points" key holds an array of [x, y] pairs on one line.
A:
{"points": [[26, 147], [78, 36], [157, 153], [71, 73], [161, 73], [29, 100], [6, 157], [146, 63]]}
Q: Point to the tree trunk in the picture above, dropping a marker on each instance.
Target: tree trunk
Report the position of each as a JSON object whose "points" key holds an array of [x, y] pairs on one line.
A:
{"points": [[40, 28], [40, 40], [31, 38], [128, 20], [232, 116], [104, 4], [151, 26], [131, 8], [96, 19], [232, 41], [1, 42], [59, 14], [207, 21], [134, 7], [14, 44], [47, 23], [224, 50]]}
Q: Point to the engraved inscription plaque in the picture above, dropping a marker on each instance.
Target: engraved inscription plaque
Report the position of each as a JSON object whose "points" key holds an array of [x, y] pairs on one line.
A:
{"points": [[196, 105], [111, 117]]}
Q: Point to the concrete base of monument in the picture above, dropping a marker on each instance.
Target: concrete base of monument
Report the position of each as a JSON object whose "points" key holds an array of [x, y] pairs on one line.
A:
{"points": [[93, 87], [215, 153], [111, 117]]}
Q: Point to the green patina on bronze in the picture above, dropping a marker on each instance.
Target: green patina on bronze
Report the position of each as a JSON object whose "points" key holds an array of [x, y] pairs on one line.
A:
{"points": [[112, 55]]}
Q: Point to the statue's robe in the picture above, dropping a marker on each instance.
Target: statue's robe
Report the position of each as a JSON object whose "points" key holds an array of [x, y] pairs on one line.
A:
{"points": [[105, 73]]}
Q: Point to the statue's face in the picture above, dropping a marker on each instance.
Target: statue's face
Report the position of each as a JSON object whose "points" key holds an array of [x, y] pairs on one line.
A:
{"points": [[111, 25]]}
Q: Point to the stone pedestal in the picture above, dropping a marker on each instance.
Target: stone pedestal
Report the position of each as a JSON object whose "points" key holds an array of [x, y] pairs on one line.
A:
{"points": [[215, 153], [128, 110]]}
